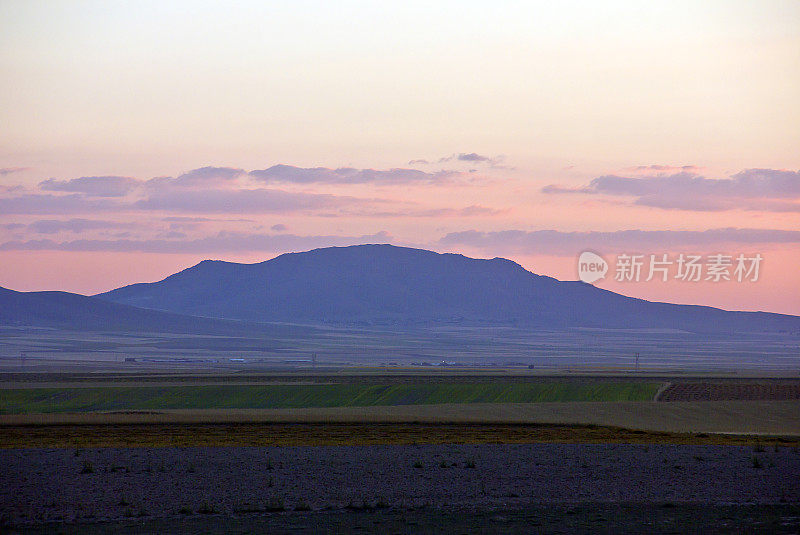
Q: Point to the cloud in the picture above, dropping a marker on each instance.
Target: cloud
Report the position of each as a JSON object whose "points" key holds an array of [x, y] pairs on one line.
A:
{"points": [[53, 226], [663, 168], [280, 227], [558, 242], [419, 162], [347, 175], [751, 189], [201, 177], [242, 201], [8, 170], [469, 211], [36, 203], [95, 186], [220, 242], [474, 157]]}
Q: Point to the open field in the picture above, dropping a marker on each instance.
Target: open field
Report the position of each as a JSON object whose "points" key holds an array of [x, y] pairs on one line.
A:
{"points": [[114, 484], [629, 518], [45, 400], [780, 418]]}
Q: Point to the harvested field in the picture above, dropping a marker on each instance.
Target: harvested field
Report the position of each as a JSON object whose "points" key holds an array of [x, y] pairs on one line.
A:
{"points": [[330, 434], [720, 391]]}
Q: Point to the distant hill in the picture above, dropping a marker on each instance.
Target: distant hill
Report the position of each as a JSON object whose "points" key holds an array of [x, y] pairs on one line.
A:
{"points": [[69, 311], [388, 285]]}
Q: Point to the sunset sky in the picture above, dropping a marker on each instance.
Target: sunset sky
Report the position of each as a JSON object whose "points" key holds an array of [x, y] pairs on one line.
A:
{"points": [[138, 138]]}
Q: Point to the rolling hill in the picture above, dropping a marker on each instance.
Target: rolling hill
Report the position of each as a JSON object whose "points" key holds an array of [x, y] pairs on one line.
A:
{"points": [[398, 286]]}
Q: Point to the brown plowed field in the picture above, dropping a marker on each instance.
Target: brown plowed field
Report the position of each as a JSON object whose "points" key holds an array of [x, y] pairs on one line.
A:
{"points": [[744, 391]]}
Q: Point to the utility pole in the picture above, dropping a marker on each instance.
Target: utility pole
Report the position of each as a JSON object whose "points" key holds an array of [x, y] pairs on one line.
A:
{"points": [[313, 360], [637, 362]]}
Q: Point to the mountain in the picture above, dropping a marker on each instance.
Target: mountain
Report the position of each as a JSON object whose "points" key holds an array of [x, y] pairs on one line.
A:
{"points": [[388, 285], [63, 310]]}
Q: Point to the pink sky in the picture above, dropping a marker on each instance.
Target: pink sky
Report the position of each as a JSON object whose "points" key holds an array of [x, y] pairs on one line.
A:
{"points": [[139, 140]]}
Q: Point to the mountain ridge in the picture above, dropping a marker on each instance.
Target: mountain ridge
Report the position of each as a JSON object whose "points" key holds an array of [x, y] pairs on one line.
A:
{"points": [[381, 284]]}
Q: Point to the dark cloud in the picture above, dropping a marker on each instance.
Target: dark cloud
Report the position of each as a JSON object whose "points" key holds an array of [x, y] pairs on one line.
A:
{"points": [[751, 189], [95, 186], [558, 242], [242, 201], [221, 242], [280, 227], [347, 175]]}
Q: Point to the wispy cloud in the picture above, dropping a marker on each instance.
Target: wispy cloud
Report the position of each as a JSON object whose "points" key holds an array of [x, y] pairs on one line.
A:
{"points": [[664, 168], [45, 203], [218, 243], [242, 201], [347, 175], [558, 242], [75, 226], [8, 170], [752, 189], [473, 157], [198, 178], [95, 186]]}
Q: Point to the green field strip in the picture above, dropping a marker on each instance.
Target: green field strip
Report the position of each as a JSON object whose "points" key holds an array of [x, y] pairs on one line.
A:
{"points": [[49, 400]]}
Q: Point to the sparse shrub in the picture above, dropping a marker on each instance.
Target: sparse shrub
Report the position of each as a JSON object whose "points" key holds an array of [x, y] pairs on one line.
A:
{"points": [[759, 448], [380, 504], [128, 512], [123, 502], [142, 511], [206, 509], [699, 458], [302, 506], [78, 452], [757, 464], [185, 510], [276, 504], [443, 464], [417, 464], [190, 468], [470, 463], [162, 468], [269, 465], [88, 468]]}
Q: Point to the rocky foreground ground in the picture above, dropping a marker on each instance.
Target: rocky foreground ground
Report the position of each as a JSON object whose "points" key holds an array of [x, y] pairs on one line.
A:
{"points": [[209, 485]]}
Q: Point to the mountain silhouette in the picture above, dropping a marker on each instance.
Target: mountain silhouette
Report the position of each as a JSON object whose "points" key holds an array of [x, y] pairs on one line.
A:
{"points": [[63, 310], [399, 286]]}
